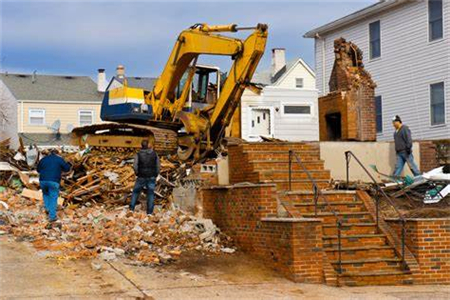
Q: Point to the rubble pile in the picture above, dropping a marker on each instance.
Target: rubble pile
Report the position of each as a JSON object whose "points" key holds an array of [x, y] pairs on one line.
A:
{"points": [[109, 178], [99, 177], [93, 230]]}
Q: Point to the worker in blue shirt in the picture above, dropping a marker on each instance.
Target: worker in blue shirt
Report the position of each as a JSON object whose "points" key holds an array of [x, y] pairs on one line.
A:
{"points": [[50, 169]]}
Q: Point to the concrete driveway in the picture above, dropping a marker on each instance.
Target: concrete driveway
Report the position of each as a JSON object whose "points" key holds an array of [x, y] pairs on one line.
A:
{"points": [[27, 274]]}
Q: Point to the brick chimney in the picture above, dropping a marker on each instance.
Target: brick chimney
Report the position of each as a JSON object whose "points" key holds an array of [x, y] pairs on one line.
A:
{"points": [[278, 60], [101, 80]]}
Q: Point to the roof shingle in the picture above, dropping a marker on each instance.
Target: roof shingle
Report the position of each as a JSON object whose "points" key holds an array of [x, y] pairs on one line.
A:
{"points": [[52, 87]]}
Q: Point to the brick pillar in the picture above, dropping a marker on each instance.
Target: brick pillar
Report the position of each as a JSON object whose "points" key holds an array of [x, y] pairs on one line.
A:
{"points": [[428, 156]]}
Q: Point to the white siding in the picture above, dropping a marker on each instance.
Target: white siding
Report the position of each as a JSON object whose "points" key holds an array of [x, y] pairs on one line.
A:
{"points": [[297, 71], [8, 116], [407, 66], [285, 126]]}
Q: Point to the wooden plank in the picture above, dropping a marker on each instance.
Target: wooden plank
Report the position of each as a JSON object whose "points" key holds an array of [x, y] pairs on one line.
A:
{"points": [[37, 195]]}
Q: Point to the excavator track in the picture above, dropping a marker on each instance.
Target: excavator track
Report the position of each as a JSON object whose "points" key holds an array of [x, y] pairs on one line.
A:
{"points": [[119, 137]]}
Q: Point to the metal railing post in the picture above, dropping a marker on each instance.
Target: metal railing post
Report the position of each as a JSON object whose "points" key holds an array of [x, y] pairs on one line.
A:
{"points": [[316, 198], [290, 170], [347, 163], [338, 224], [377, 206], [403, 240]]}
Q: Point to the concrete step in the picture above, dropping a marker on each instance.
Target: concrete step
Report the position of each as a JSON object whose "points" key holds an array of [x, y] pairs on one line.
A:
{"points": [[369, 265], [347, 217], [331, 196], [355, 240], [342, 206], [376, 278], [360, 252], [351, 229], [267, 154], [296, 174], [283, 165], [298, 184]]}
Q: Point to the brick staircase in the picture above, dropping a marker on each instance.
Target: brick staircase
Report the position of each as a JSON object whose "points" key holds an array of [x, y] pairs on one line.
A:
{"points": [[368, 258], [269, 163]]}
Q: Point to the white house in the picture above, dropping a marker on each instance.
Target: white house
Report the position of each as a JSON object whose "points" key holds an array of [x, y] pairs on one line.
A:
{"points": [[406, 46], [286, 108]]}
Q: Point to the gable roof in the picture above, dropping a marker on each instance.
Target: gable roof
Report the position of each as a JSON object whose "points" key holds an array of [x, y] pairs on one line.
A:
{"points": [[292, 67], [145, 83], [361, 14], [264, 77], [52, 87]]}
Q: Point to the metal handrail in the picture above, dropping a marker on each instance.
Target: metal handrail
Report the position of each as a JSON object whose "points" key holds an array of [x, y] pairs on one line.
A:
{"points": [[318, 194], [379, 190]]}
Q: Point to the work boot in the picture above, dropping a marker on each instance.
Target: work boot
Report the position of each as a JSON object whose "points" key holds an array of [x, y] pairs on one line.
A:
{"points": [[52, 224]]}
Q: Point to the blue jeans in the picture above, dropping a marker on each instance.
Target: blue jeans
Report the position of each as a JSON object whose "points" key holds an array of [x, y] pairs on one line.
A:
{"points": [[50, 192], [402, 158], [138, 186]]}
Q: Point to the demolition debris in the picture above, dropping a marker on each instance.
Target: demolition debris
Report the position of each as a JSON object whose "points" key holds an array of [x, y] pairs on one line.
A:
{"points": [[98, 177], [94, 231], [94, 220]]}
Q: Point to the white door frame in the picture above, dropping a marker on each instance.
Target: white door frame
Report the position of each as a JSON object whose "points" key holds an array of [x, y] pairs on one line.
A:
{"points": [[271, 120]]}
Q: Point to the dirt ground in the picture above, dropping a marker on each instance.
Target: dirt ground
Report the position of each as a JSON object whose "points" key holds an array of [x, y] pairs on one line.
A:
{"points": [[411, 208], [27, 274]]}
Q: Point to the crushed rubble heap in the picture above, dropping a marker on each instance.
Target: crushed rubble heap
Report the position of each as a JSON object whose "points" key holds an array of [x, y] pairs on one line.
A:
{"points": [[92, 230]]}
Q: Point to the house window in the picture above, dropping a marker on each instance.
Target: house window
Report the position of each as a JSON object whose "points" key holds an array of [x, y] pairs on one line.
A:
{"points": [[435, 23], [36, 116], [379, 115], [297, 109], [85, 117], [299, 82], [437, 102], [375, 39]]}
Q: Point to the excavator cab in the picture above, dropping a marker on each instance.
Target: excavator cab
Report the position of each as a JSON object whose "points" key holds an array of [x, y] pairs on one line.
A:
{"points": [[205, 88], [127, 104]]}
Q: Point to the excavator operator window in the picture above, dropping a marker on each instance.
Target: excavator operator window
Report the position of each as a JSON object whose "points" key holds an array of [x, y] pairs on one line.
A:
{"points": [[181, 84], [200, 89]]}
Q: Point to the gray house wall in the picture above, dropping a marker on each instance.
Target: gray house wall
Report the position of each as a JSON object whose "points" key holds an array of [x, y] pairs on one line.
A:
{"points": [[8, 116], [409, 63]]}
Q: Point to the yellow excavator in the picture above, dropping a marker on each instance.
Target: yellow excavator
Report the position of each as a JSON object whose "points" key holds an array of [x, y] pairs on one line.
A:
{"points": [[190, 105]]}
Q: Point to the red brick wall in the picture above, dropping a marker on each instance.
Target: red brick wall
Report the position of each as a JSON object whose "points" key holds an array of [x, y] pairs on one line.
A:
{"points": [[429, 241], [428, 158], [247, 213], [241, 157], [357, 109]]}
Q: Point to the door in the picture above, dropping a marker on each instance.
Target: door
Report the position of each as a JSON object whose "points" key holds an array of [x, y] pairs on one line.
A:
{"points": [[333, 126], [260, 122]]}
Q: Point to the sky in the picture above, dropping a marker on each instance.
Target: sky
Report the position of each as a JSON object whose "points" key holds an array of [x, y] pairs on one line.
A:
{"points": [[78, 37]]}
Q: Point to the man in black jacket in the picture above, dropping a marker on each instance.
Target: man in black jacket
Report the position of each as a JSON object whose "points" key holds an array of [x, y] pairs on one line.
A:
{"points": [[146, 167], [50, 169], [403, 148]]}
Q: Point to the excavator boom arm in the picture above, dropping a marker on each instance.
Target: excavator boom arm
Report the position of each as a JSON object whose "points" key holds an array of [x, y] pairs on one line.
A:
{"points": [[201, 39]]}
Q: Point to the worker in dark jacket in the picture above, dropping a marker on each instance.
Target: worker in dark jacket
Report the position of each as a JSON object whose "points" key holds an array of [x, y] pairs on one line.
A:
{"points": [[50, 169], [403, 148], [146, 167]]}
